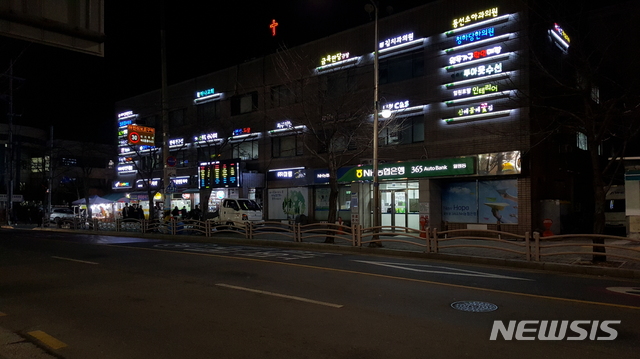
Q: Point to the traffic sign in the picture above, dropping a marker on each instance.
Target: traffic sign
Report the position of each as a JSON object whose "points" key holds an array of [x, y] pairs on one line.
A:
{"points": [[134, 138], [172, 161]]}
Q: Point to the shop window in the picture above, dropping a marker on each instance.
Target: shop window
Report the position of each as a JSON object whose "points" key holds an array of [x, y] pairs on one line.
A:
{"points": [[487, 202], [287, 146], [39, 164], [208, 153], [247, 150], [399, 68], [208, 111], [339, 83], [244, 103]]}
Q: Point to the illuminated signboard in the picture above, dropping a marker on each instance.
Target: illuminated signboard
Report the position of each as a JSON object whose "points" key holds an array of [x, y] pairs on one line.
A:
{"points": [[124, 123], [219, 174], [416, 169], [478, 16], [127, 114], [284, 124], [287, 173], [141, 135], [561, 32], [126, 169], [152, 183], [120, 184], [207, 137], [176, 142], [242, 131], [475, 36], [394, 41], [207, 96], [205, 93], [322, 176], [476, 110], [330, 59], [458, 59], [396, 105], [180, 181], [476, 90], [561, 37]]}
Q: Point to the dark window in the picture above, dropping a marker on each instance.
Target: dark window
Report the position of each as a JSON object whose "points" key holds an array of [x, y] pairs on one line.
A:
{"points": [[284, 95], [287, 146], [176, 118], [208, 111], [400, 68], [244, 103], [403, 131]]}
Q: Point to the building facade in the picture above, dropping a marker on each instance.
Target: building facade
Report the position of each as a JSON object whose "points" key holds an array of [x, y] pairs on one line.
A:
{"points": [[459, 150]]}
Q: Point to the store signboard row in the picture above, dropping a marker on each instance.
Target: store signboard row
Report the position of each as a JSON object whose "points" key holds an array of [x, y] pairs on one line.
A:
{"points": [[414, 169]]}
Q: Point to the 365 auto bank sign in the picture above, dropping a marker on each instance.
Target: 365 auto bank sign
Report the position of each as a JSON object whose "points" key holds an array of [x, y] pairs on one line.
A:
{"points": [[555, 330]]}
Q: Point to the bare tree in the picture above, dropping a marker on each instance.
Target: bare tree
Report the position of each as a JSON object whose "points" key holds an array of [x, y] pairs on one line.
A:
{"points": [[333, 110], [589, 92]]}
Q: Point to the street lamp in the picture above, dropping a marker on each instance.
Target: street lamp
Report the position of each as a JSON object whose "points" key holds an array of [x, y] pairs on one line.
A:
{"points": [[376, 181]]}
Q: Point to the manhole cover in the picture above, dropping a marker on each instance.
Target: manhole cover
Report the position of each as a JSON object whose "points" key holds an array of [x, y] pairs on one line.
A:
{"points": [[471, 306]]}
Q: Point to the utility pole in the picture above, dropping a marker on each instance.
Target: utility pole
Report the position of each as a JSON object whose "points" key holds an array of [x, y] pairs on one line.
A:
{"points": [[11, 162], [165, 122]]}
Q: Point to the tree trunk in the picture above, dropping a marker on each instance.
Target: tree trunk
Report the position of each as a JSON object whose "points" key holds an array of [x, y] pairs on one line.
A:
{"points": [[599, 203], [333, 199]]}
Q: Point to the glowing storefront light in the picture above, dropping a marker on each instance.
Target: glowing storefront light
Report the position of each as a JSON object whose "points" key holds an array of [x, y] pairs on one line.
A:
{"points": [[480, 54], [477, 116], [394, 41], [478, 43], [207, 96], [478, 98], [348, 62], [469, 61], [332, 59], [561, 37], [475, 36], [478, 79], [477, 16]]}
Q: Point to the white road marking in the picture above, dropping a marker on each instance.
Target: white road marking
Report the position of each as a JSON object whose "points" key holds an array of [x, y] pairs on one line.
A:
{"points": [[74, 260], [626, 290], [280, 295], [452, 271]]}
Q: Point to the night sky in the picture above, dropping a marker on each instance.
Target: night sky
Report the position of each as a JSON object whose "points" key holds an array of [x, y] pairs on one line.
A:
{"points": [[75, 92]]}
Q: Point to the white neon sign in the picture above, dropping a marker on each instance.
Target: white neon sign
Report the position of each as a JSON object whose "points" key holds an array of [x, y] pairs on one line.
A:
{"points": [[330, 59], [396, 105], [398, 40]]}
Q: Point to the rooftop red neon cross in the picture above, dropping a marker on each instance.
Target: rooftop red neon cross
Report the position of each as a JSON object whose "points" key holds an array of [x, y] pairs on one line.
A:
{"points": [[273, 27]]}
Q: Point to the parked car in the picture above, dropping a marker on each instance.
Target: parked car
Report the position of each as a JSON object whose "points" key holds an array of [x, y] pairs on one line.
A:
{"points": [[59, 214], [238, 211]]}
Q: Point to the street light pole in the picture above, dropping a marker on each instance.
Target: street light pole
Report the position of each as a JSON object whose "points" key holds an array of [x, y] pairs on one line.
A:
{"points": [[376, 110]]}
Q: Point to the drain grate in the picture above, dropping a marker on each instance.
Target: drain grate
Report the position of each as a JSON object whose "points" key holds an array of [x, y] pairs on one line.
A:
{"points": [[474, 306]]}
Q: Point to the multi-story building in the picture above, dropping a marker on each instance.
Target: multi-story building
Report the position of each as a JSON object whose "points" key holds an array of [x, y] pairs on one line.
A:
{"points": [[462, 149]]}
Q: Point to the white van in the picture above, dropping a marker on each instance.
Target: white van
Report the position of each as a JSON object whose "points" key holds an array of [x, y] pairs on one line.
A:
{"points": [[238, 211]]}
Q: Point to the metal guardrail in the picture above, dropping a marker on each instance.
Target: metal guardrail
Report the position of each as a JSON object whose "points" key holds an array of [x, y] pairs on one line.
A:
{"points": [[427, 241]]}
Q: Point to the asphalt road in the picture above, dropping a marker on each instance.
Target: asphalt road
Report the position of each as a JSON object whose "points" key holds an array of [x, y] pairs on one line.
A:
{"points": [[85, 296]]}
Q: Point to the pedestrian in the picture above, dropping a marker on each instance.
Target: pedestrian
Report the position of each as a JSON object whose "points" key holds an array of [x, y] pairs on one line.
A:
{"points": [[184, 212], [175, 212], [126, 211], [195, 214]]}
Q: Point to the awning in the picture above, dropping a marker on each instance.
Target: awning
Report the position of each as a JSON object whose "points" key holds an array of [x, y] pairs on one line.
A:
{"points": [[117, 197]]}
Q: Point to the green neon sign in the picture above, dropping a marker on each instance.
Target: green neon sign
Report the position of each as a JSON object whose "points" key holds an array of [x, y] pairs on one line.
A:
{"points": [[414, 169]]}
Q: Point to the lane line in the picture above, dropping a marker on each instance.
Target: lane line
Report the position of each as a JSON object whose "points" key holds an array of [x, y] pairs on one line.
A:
{"points": [[281, 295], [460, 272], [47, 339], [74, 260], [390, 277]]}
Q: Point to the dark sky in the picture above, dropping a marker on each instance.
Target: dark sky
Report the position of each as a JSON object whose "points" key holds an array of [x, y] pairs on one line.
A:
{"points": [[75, 92]]}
